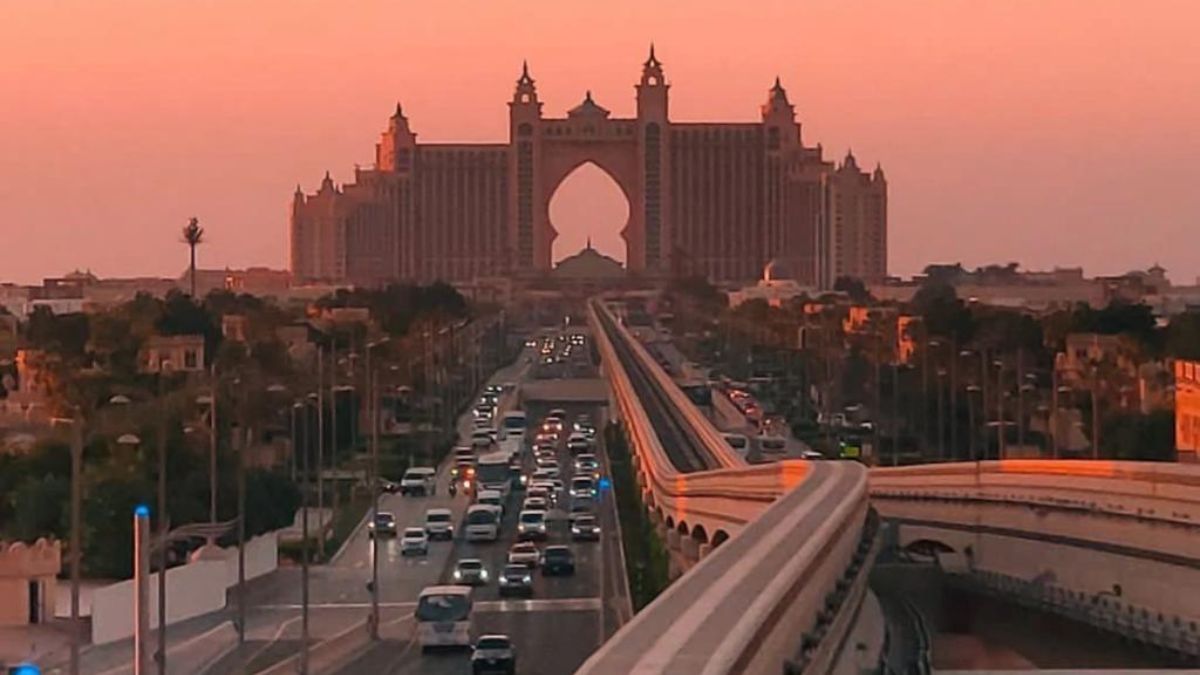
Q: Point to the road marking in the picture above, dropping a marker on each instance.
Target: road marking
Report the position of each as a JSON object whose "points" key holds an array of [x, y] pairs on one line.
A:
{"points": [[591, 604]]}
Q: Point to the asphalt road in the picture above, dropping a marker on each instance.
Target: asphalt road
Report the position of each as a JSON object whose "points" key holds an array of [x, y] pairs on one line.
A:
{"points": [[559, 627]]}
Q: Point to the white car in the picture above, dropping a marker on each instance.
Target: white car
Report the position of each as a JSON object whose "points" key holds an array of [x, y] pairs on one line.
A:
{"points": [[535, 503], [439, 523], [414, 541], [531, 525], [578, 443], [524, 553], [583, 488], [491, 498]]}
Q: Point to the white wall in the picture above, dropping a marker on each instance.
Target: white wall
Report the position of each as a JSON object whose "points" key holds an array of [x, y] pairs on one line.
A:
{"points": [[262, 557], [193, 589]]}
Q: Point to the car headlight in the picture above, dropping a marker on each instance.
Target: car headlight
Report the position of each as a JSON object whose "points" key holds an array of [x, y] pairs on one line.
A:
{"points": [[575, 530], [483, 574], [503, 581], [457, 574], [527, 579]]}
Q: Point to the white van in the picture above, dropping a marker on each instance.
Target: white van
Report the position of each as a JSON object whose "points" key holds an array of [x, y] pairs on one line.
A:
{"points": [[491, 498], [419, 481], [482, 522]]}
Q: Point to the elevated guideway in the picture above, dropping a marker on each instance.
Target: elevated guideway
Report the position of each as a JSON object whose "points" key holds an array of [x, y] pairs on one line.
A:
{"points": [[778, 551], [1108, 543]]}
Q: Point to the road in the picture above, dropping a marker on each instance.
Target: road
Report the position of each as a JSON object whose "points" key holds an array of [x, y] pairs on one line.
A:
{"points": [[556, 630]]}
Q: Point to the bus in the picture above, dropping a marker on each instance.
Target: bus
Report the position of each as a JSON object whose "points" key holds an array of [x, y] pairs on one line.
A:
{"points": [[443, 617], [492, 472]]}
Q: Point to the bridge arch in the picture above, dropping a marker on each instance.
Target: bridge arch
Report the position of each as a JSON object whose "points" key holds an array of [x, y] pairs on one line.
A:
{"points": [[700, 534], [719, 538]]}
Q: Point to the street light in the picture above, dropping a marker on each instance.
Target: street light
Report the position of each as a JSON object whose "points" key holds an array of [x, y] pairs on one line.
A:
{"points": [[373, 417], [972, 389]]}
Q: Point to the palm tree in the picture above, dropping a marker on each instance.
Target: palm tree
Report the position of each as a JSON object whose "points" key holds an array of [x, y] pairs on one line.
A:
{"points": [[193, 236]]}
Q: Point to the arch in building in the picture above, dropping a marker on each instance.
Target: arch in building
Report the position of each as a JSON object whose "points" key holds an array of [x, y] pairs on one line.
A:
{"points": [[615, 155], [700, 534], [589, 192], [719, 538]]}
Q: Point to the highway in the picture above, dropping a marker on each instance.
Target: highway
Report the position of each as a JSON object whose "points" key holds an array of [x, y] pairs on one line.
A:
{"points": [[555, 631]]}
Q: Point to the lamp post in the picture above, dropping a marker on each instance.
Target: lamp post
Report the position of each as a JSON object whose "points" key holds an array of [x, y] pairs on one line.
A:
{"points": [[1000, 393], [141, 583], [304, 553], [972, 389], [941, 413], [373, 416]]}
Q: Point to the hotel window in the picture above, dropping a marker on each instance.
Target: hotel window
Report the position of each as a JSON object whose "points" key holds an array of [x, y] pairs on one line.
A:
{"points": [[189, 359]]}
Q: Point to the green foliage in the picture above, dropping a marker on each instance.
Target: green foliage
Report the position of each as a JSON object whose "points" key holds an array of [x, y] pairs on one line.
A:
{"points": [[1139, 437], [108, 524], [944, 315], [1183, 336], [398, 306], [853, 287], [646, 557], [39, 505], [65, 335], [182, 315], [1135, 321]]}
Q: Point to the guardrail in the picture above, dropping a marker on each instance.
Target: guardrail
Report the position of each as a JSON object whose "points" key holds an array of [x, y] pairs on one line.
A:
{"points": [[783, 539], [1165, 493]]}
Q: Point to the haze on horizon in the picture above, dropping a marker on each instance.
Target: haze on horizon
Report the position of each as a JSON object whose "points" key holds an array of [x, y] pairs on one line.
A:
{"points": [[1049, 132]]}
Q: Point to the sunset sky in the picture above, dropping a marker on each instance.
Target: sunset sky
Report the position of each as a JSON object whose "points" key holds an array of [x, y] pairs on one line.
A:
{"points": [[1050, 132]]}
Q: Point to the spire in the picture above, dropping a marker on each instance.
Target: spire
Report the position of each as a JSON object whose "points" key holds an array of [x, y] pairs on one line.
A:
{"points": [[653, 61], [589, 239], [399, 111], [299, 192], [526, 91], [327, 183], [878, 175], [778, 86], [850, 162]]}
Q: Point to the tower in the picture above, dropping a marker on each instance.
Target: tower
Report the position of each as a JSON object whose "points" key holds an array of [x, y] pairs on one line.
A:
{"points": [[524, 114], [779, 117], [652, 158], [394, 152]]}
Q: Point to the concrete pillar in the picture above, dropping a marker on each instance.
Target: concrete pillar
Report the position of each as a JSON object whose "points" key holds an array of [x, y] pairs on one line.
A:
{"points": [[673, 538], [691, 551], [705, 549]]}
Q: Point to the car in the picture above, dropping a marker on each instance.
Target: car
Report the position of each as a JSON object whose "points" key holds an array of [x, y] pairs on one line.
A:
{"points": [[419, 481], [439, 523], [491, 498], [482, 439], [546, 461], [531, 525], [586, 465], [496, 389], [523, 553], [384, 524], [389, 487], [493, 654], [557, 414], [414, 541], [535, 503], [557, 561], [580, 508], [516, 579], [811, 455], [583, 487], [585, 528], [470, 572], [578, 443], [484, 411]]}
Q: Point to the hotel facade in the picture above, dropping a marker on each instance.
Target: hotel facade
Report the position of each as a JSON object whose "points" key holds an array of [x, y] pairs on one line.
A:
{"points": [[717, 199]]}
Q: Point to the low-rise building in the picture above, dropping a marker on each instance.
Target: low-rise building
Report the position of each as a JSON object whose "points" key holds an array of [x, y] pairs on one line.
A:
{"points": [[179, 353], [28, 581]]}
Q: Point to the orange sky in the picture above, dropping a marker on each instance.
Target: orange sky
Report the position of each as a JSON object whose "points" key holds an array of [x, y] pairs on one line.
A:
{"points": [[1042, 131]]}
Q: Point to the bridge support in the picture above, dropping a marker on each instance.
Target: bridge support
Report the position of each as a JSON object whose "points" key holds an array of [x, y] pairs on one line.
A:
{"points": [[705, 549], [690, 548]]}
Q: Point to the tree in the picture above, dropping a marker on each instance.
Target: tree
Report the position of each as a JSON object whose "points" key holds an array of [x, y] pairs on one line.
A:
{"points": [[943, 313], [854, 288], [193, 236], [1183, 336], [38, 507]]}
